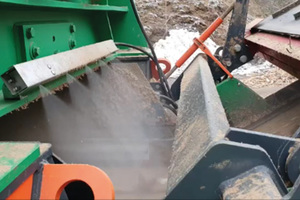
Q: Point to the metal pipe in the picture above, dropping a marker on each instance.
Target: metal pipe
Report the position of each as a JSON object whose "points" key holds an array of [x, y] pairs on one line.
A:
{"points": [[203, 37]]}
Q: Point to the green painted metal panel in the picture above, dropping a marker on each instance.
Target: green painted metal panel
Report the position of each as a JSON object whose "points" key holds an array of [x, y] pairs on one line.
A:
{"points": [[75, 4], [86, 31], [127, 22], [7, 106], [40, 40], [102, 20], [15, 157], [240, 102]]}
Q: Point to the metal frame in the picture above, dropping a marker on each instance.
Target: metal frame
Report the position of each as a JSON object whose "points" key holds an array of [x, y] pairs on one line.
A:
{"points": [[235, 51], [36, 72], [216, 153]]}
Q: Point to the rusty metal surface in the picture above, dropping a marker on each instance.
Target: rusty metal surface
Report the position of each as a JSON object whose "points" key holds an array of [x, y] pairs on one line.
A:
{"points": [[201, 120], [282, 51], [283, 22]]}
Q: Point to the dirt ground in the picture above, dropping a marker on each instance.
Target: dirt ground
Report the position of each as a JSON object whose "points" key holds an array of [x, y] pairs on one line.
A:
{"points": [[269, 81], [160, 16]]}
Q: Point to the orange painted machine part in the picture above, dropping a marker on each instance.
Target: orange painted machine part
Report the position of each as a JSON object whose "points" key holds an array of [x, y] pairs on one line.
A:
{"points": [[23, 191], [203, 47], [154, 69], [57, 177], [206, 34]]}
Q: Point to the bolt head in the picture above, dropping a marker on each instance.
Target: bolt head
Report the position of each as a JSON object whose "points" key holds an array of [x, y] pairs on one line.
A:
{"points": [[15, 89], [237, 48], [73, 43], [56, 51], [36, 51], [243, 59], [72, 28], [30, 32], [228, 63]]}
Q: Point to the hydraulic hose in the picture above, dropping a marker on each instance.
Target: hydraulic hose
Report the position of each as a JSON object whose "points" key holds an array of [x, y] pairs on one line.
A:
{"points": [[170, 108], [169, 100], [162, 76], [137, 48]]}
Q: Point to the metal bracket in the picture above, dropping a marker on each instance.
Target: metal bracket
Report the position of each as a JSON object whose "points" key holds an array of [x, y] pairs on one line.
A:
{"points": [[33, 73], [235, 52], [278, 147], [44, 39], [259, 180]]}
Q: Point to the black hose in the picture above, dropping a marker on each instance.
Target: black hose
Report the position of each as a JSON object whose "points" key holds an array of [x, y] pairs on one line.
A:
{"points": [[169, 100], [161, 77], [161, 74], [170, 108], [137, 48]]}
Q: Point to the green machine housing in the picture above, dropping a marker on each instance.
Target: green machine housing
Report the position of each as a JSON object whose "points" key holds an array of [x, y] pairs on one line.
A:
{"points": [[35, 29], [223, 141]]}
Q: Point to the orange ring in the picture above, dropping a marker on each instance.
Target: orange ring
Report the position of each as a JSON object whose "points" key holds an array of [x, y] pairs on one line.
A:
{"points": [[154, 68], [57, 177]]}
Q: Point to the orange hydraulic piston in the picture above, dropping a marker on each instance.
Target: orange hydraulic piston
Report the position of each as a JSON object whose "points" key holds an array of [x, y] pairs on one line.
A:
{"points": [[203, 37], [206, 34], [203, 47]]}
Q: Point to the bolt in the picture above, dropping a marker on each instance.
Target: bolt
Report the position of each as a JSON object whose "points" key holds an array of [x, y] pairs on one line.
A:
{"points": [[30, 32], [49, 66], [228, 63], [243, 59], [15, 89], [237, 48], [72, 28], [10, 80], [53, 72], [36, 51], [72, 44]]}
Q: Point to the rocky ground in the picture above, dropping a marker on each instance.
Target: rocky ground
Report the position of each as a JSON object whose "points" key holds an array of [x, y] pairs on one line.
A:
{"points": [[161, 16], [263, 77]]}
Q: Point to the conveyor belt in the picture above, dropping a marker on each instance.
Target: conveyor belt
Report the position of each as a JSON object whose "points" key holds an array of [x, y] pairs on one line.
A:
{"points": [[283, 122]]}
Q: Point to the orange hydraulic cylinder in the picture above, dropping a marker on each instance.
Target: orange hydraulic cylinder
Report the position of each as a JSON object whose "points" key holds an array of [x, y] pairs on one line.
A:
{"points": [[206, 34]]}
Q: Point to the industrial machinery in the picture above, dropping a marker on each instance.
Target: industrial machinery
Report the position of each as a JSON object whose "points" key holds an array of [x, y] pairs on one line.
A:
{"points": [[81, 84]]}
